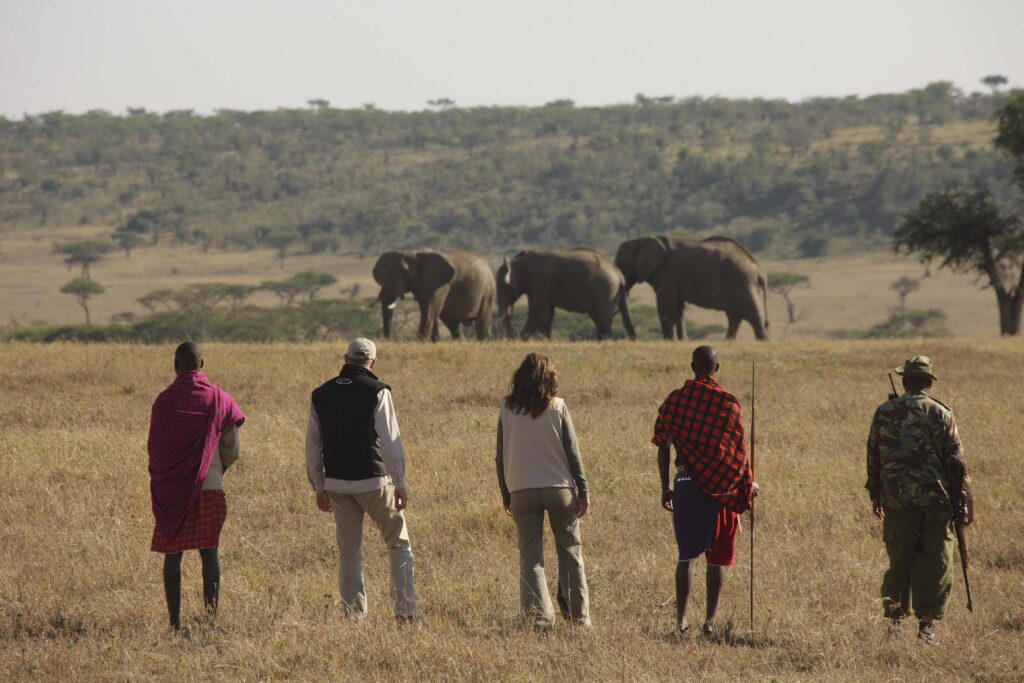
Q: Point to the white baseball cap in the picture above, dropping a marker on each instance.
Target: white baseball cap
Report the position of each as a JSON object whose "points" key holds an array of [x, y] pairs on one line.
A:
{"points": [[361, 350]]}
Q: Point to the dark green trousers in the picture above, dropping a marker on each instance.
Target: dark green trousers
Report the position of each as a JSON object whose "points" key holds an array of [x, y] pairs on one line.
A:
{"points": [[920, 545]]}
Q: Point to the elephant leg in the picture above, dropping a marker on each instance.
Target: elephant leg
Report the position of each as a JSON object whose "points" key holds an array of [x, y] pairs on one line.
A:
{"points": [[668, 314], [483, 319], [758, 324], [627, 319], [531, 325], [549, 322], [734, 325], [454, 327], [426, 319], [603, 322], [681, 323]]}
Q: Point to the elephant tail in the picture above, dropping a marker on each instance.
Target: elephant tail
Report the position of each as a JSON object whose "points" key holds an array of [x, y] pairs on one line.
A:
{"points": [[762, 282]]}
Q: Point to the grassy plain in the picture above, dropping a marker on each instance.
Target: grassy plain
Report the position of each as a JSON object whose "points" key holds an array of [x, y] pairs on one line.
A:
{"points": [[81, 595], [847, 292]]}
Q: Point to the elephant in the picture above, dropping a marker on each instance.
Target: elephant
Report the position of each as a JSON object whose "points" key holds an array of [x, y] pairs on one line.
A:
{"points": [[457, 287], [580, 280], [717, 272]]}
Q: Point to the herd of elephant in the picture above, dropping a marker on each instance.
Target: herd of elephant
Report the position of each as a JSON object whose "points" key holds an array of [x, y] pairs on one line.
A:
{"points": [[458, 288]]}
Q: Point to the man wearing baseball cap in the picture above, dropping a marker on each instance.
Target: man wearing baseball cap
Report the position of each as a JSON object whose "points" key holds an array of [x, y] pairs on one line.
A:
{"points": [[911, 445], [355, 462]]}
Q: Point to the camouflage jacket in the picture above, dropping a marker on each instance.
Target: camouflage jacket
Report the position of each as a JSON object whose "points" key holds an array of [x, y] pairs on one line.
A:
{"points": [[911, 440]]}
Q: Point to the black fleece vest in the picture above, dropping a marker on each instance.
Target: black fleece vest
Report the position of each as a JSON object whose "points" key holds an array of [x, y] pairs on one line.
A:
{"points": [[345, 406]]}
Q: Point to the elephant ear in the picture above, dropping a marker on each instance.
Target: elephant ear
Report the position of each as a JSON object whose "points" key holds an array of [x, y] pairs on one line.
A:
{"points": [[506, 279], [384, 265], [432, 270], [651, 254]]}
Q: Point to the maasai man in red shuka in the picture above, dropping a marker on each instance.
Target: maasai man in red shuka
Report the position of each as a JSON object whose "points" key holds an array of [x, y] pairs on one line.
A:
{"points": [[713, 481], [193, 438]]}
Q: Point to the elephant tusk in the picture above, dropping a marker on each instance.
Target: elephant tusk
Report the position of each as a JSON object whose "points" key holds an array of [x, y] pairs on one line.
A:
{"points": [[391, 306]]}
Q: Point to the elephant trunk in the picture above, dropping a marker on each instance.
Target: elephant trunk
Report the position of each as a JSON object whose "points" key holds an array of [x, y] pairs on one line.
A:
{"points": [[506, 323]]}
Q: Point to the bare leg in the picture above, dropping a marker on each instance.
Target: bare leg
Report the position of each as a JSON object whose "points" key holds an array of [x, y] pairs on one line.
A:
{"points": [[211, 577], [172, 588], [716, 577], [684, 577]]}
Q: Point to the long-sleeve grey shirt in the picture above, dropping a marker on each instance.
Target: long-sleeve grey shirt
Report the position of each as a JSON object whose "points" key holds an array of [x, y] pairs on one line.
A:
{"points": [[538, 452], [391, 452]]}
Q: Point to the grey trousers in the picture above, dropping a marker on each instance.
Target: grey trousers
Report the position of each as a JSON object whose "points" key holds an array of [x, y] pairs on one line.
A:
{"points": [[348, 520], [528, 508]]}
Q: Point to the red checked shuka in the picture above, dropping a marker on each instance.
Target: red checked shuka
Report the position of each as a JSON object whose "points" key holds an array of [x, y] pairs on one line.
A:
{"points": [[703, 421]]}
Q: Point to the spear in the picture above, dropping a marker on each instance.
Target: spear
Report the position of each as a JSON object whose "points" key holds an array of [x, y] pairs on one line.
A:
{"points": [[753, 448]]}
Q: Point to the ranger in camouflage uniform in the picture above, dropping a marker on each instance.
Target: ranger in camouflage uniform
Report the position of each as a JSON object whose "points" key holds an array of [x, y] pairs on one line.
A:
{"points": [[912, 439]]}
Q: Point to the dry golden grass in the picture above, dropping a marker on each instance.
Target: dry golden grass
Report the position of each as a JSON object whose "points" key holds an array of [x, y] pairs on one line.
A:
{"points": [[81, 595]]}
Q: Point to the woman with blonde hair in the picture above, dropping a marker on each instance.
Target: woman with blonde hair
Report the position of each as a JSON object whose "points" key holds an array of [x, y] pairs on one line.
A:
{"points": [[540, 470]]}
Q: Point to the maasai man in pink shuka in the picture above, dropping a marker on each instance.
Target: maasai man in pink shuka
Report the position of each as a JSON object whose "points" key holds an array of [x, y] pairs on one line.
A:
{"points": [[193, 438]]}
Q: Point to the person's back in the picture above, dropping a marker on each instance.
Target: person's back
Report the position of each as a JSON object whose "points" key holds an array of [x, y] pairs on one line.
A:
{"points": [[356, 464], [534, 449], [345, 406], [540, 471], [913, 449], [912, 433], [712, 482], [193, 439]]}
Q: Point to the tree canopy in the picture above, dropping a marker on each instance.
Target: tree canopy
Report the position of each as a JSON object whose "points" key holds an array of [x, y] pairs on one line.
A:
{"points": [[1010, 133], [962, 228], [83, 253]]}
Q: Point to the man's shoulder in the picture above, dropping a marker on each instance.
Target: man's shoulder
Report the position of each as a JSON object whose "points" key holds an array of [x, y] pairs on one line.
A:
{"points": [[937, 405], [326, 385]]}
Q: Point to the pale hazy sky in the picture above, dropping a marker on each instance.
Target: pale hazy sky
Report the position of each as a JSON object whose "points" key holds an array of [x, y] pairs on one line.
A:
{"points": [[78, 55]]}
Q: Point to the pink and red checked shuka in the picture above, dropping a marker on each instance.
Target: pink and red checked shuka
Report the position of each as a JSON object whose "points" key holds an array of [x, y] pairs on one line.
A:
{"points": [[185, 427]]}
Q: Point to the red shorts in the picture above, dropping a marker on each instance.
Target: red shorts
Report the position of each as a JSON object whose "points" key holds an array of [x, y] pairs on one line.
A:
{"points": [[201, 528], [723, 548]]}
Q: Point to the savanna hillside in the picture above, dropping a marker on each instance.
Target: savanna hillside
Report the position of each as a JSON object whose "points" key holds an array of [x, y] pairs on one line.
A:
{"points": [[81, 596], [788, 179]]}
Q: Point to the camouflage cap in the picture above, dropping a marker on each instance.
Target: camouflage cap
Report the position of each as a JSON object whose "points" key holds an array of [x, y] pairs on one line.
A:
{"points": [[918, 365]]}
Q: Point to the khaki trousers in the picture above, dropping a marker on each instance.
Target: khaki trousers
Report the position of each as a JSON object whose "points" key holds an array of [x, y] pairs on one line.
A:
{"points": [[920, 545], [349, 510], [528, 508]]}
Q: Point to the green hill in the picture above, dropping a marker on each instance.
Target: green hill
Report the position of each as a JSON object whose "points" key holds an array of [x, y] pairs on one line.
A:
{"points": [[786, 178]]}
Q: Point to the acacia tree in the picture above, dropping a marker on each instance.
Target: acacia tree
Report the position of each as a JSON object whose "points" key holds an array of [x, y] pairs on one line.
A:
{"points": [[280, 240], [994, 81], [783, 283], [83, 289], [127, 241], [83, 253], [962, 228], [310, 282], [285, 290], [157, 297], [904, 286]]}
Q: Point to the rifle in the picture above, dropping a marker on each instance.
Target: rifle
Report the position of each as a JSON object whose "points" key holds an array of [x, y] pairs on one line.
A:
{"points": [[895, 394], [963, 515]]}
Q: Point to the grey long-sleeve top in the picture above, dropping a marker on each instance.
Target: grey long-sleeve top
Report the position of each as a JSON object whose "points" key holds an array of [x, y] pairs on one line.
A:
{"points": [[538, 452]]}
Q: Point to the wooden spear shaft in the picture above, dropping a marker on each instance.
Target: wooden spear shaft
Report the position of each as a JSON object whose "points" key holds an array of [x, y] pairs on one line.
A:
{"points": [[754, 423]]}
